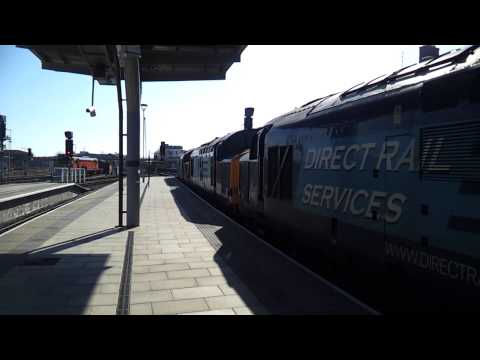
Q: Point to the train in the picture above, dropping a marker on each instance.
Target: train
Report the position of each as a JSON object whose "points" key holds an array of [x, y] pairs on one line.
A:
{"points": [[384, 175], [92, 166]]}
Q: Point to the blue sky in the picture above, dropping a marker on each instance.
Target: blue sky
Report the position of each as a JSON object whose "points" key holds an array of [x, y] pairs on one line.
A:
{"points": [[41, 104]]}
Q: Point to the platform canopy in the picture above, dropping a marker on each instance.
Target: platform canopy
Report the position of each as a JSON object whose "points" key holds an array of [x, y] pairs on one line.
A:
{"points": [[157, 62]]}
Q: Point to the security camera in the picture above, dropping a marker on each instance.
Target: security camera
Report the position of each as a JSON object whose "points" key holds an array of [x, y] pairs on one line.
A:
{"points": [[91, 110]]}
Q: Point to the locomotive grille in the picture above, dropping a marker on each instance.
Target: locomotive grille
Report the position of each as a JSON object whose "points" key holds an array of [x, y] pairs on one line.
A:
{"points": [[451, 152]]}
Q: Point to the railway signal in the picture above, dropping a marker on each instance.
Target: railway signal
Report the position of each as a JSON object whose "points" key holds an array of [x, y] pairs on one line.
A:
{"points": [[69, 144]]}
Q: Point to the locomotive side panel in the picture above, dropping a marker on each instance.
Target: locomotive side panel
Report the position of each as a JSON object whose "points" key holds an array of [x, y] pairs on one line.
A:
{"points": [[448, 148], [399, 185], [387, 173], [338, 177]]}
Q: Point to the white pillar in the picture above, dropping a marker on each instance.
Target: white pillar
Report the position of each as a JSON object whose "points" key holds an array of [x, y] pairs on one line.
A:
{"points": [[132, 85]]}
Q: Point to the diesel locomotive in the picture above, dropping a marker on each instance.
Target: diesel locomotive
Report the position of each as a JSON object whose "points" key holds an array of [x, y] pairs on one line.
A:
{"points": [[92, 166], [385, 175]]}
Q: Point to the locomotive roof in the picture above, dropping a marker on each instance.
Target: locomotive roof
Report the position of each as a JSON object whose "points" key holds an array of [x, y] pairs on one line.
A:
{"points": [[234, 141], [218, 139], [84, 158], [222, 138], [229, 135], [186, 155], [210, 143], [446, 63]]}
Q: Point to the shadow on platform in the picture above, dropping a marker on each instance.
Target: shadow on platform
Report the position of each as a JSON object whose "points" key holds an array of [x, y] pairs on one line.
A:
{"points": [[279, 284], [258, 267], [42, 281]]}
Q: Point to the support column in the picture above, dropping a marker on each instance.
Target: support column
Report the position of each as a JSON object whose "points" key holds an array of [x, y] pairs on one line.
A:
{"points": [[132, 85]]}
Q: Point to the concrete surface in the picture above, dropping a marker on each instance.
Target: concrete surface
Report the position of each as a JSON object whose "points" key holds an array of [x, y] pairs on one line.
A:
{"points": [[9, 190], [186, 259]]}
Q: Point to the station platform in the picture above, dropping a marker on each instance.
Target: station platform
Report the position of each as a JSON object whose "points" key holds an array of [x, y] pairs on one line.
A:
{"points": [[10, 190], [184, 258]]}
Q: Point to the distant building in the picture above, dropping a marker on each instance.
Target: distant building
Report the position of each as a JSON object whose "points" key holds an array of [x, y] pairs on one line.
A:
{"points": [[17, 159], [42, 162], [168, 152], [167, 156], [3, 133], [105, 157], [23, 163]]}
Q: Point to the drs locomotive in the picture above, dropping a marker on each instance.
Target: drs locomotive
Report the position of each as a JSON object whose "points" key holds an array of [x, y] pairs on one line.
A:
{"points": [[385, 175]]}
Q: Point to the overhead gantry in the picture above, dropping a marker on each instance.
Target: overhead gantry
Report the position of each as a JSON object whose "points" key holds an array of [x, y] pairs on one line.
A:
{"points": [[109, 64]]}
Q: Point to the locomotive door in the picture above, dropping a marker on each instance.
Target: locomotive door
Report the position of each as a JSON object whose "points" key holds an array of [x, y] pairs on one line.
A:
{"points": [[212, 171], [400, 210]]}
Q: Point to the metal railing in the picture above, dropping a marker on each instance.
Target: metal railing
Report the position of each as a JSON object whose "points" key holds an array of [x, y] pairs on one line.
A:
{"points": [[69, 175]]}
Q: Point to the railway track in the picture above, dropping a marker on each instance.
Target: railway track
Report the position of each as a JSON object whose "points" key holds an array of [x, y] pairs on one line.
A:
{"points": [[24, 179], [45, 178], [96, 182]]}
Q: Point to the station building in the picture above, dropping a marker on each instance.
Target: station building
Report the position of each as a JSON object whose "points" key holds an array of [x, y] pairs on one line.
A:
{"points": [[169, 155]]}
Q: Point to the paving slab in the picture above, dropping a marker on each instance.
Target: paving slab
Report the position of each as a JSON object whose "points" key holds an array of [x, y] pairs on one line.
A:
{"points": [[149, 296], [179, 274], [212, 312], [196, 292], [172, 284], [179, 306], [141, 309], [211, 280]]}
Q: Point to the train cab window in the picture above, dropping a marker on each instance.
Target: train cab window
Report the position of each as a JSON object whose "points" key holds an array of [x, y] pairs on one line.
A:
{"points": [[280, 172]]}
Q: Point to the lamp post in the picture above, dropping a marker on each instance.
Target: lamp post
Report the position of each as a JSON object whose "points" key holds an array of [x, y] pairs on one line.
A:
{"points": [[144, 107]]}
